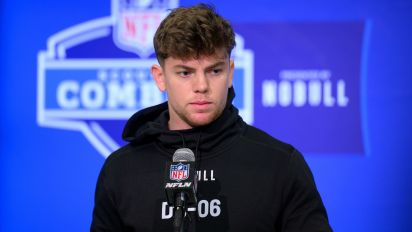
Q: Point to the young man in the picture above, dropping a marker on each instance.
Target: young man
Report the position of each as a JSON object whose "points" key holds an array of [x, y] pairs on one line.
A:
{"points": [[248, 181]]}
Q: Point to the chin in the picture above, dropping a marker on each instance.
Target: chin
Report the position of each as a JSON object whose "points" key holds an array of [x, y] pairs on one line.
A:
{"points": [[201, 121]]}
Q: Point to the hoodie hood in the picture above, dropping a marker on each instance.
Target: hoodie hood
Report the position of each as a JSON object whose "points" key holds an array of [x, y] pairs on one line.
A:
{"points": [[151, 124]]}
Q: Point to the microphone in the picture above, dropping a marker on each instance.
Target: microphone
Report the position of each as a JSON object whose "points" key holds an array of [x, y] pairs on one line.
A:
{"points": [[181, 185]]}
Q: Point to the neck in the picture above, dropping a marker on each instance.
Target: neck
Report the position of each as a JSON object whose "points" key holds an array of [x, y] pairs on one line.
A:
{"points": [[178, 126]]}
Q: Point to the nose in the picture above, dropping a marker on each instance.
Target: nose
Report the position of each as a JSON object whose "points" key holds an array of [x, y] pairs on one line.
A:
{"points": [[201, 84]]}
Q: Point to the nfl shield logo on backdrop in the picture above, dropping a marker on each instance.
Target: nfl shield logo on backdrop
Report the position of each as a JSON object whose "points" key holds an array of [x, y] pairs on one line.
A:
{"points": [[135, 23], [179, 172]]}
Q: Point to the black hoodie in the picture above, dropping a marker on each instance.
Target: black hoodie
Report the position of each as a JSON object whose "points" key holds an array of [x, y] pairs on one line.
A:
{"points": [[248, 181]]}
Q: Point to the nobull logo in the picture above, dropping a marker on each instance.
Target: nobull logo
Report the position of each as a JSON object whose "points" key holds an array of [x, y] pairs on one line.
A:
{"points": [[304, 87], [95, 75]]}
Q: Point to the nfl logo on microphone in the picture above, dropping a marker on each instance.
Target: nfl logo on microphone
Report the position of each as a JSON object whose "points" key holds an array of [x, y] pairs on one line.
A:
{"points": [[179, 172]]}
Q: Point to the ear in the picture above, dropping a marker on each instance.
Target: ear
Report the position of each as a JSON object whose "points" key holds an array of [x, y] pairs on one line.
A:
{"points": [[231, 71], [158, 76]]}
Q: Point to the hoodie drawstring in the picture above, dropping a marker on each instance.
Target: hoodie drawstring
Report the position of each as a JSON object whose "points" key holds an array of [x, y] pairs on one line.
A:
{"points": [[197, 155]]}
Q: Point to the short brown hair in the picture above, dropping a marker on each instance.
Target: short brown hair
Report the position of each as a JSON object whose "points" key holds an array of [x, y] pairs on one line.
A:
{"points": [[192, 32]]}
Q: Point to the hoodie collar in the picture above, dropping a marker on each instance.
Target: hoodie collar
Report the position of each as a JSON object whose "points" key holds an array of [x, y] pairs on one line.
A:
{"points": [[151, 124]]}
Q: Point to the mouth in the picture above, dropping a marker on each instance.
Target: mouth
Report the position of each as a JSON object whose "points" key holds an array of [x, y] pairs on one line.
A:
{"points": [[201, 105]]}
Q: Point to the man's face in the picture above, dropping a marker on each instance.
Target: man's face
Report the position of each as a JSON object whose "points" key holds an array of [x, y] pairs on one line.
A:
{"points": [[196, 88]]}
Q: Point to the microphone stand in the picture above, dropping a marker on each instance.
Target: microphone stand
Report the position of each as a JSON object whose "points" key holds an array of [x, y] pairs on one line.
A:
{"points": [[180, 210]]}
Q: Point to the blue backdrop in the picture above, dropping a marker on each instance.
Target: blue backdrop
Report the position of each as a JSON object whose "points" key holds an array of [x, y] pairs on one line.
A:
{"points": [[48, 176]]}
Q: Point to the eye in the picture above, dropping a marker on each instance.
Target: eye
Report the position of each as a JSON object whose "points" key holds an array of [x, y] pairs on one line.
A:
{"points": [[216, 71], [184, 73]]}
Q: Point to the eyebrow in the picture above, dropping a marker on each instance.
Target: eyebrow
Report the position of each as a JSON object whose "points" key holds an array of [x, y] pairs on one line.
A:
{"points": [[182, 67], [219, 63]]}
